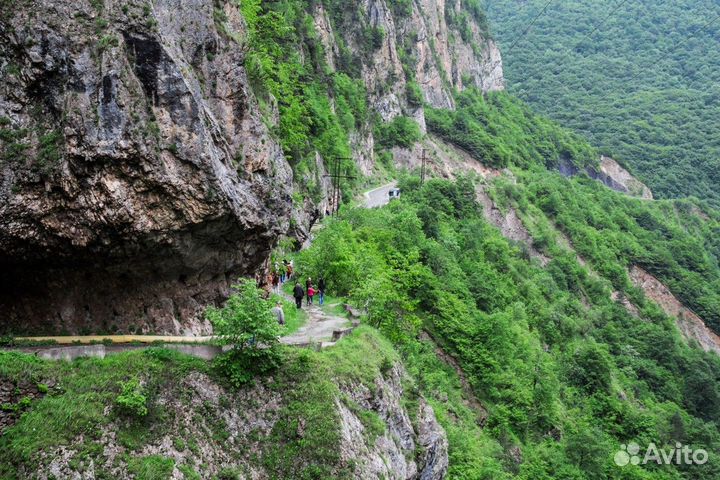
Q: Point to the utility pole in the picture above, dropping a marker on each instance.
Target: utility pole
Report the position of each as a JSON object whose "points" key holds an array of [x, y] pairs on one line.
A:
{"points": [[422, 169], [336, 176]]}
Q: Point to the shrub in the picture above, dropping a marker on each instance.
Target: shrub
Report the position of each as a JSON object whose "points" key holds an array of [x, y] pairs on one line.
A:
{"points": [[107, 41], [152, 467], [228, 473], [400, 132], [132, 401], [247, 324], [414, 94], [373, 38]]}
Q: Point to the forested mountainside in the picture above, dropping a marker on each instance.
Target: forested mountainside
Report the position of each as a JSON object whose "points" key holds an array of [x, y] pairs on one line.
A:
{"points": [[521, 319], [638, 79], [562, 363]]}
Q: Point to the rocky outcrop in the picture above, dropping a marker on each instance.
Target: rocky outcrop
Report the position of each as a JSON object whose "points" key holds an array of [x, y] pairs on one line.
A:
{"points": [[403, 451], [137, 179], [16, 396], [509, 224], [437, 46], [616, 177], [452, 56], [692, 327], [232, 433], [612, 175]]}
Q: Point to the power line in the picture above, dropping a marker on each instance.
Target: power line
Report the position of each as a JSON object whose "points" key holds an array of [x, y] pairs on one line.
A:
{"points": [[602, 23], [534, 21], [522, 35], [336, 177], [675, 47], [654, 66]]}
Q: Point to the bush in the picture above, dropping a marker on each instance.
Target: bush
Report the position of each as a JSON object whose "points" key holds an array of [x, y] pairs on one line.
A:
{"points": [[414, 94], [400, 132], [132, 401], [247, 324]]}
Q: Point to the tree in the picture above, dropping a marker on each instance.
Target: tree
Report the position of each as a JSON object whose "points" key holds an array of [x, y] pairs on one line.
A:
{"points": [[247, 324]]}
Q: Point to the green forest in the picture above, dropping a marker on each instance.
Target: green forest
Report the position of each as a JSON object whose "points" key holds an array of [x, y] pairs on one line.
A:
{"points": [[638, 79], [566, 374]]}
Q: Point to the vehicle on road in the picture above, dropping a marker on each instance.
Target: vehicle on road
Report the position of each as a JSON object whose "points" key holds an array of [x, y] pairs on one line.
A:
{"points": [[394, 193]]}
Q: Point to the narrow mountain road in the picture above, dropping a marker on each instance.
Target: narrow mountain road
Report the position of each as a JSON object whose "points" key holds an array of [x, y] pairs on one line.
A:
{"points": [[379, 196], [320, 327]]}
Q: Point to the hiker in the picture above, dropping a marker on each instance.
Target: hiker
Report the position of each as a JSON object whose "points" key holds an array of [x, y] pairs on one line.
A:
{"points": [[310, 294], [321, 290], [278, 311], [308, 284], [298, 293], [276, 282], [289, 271], [283, 271]]}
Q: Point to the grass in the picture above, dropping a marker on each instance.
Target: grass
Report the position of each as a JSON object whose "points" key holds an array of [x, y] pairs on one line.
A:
{"points": [[77, 405], [302, 444], [153, 467], [334, 306], [311, 380]]}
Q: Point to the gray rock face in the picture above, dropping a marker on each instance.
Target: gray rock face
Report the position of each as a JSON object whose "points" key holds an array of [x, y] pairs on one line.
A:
{"points": [[404, 451], [419, 44], [611, 174], [137, 179]]}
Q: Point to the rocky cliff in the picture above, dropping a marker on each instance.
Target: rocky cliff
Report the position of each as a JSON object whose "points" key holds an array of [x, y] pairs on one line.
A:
{"points": [[613, 175], [139, 176], [436, 46]]}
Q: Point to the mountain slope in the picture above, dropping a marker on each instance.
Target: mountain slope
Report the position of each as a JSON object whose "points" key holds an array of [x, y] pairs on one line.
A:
{"points": [[561, 373], [642, 87]]}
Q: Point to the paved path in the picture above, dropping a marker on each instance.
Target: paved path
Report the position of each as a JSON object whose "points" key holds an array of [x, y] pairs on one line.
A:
{"points": [[319, 328], [379, 196]]}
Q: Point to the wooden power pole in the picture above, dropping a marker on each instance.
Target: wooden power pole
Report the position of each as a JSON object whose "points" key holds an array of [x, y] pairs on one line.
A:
{"points": [[336, 176]]}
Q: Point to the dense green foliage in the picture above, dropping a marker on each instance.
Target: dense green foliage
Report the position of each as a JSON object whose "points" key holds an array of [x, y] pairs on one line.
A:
{"points": [[132, 401], [399, 132], [643, 86], [76, 408], [499, 131], [247, 325], [674, 241], [566, 373]]}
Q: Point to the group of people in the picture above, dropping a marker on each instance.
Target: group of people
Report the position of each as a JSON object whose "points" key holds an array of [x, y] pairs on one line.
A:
{"points": [[279, 275], [309, 292]]}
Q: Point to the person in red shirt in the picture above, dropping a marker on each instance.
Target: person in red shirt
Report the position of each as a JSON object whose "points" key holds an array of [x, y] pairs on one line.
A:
{"points": [[310, 294]]}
